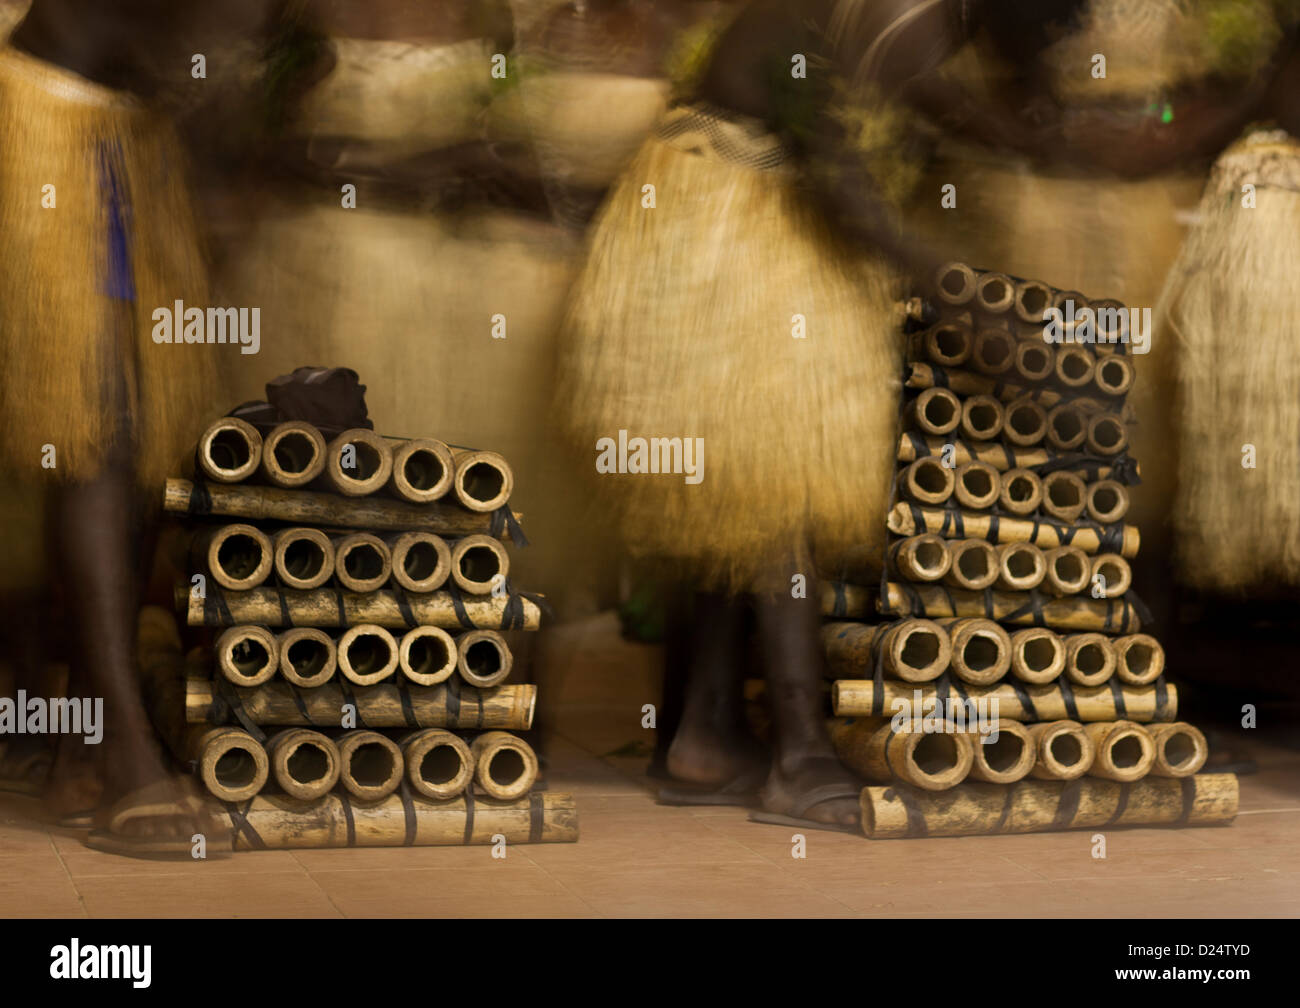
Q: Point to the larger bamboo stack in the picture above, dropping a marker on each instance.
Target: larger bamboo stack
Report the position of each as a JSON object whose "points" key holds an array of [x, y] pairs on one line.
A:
{"points": [[1010, 688], [357, 592]]}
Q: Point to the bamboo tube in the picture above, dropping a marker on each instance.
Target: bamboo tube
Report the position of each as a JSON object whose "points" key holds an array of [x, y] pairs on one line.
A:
{"points": [[936, 411], [1034, 362], [913, 650], [920, 558], [1000, 456], [1064, 496], [994, 293], [1111, 575], [230, 762], [994, 352], [278, 822], [934, 761], [1046, 535], [1074, 367], [1032, 300], [362, 562], [439, 765], [448, 705], [847, 601], [1114, 376], [924, 375], [1069, 304], [229, 450], [483, 481], [1180, 749], [423, 470], [1107, 502], [505, 766], [928, 481], [1139, 659], [1037, 655], [1006, 760], [858, 697], [358, 462], [311, 508], [1067, 428], [1089, 659], [479, 564], [955, 283], [308, 656], [1068, 571], [1020, 492], [294, 454], [1114, 616], [303, 557], [304, 763], [976, 485], [1025, 424], [1064, 751], [1021, 566], [247, 655], [1031, 806], [1112, 325], [427, 655], [326, 608], [367, 654], [1106, 435], [483, 658], [973, 564], [947, 343], [370, 764], [1124, 751], [981, 418], [238, 556], [421, 561], [981, 650]]}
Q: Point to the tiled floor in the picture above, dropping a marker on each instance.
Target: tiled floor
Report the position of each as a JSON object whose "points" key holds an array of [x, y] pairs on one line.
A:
{"points": [[639, 858]]}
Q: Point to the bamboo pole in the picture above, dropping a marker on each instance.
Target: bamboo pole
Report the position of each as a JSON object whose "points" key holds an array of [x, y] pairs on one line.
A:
{"points": [[1037, 655], [1124, 750], [230, 762], [995, 293], [1034, 363], [1114, 616], [479, 564], [294, 454], [304, 764], [505, 766], [1020, 492], [920, 558], [856, 697], [370, 764], [1106, 435], [976, 485], [229, 450], [303, 557], [1107, 502], [279, 822], [1064, 751], [1045, 534], [358, 462], [1021, 566], [308, 656], [483, 658], [1069, 304], [981, 418], [421, 560], [1031, 301], [1025, 424], [1114, 376], [448, 705], [1180, 749], [913, 650], [1139, 659], [1005, 760], [955, 283], [934, 761], [1089, 659], [325, 608], [237, 556], [1001, 457], [483, 480], [1074, 367], [1067, 428], [1068, 571], [847, 601], [312, 508], [1031, 806], [981, 650], [362, 562], [1064, 496], [439, 765], [367, 654], [936, 412], [247, 655], [427, 655], [423, 470], [994, 352], [936, 373], [946, 343], [1111, 574], [927, 481], [973, 564]]}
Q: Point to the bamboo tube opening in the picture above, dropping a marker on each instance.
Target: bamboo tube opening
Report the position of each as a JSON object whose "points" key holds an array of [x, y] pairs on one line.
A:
{"points": [[981, 650], [994, 292], [1037, 655], [1116, 576], [977, 485], [230, 450], [304, 763], [294, 454], [1067, 571], [484, 658], [1107, 501], [362, 562], [1089, 659], [1069, 304], [439, 764], [308, 764], [1180, 749], [1106, 435], [1021, 566], [304, 558], [505, 766], [231, 763], [247, 655], [1025, 424], [367, 654], [370, 458], [239, 556], [956, 283], [421, 561], [974, 564], [235, 769], [937, 411], [994, 352], [1064, 750], [1114, 376], [929, 557], [981, 417], [922, 649], [370, 764], [934, 753], [1074, 366], [928, 481], [1066, 428], [477, 562], [1064, 495], [423, 470], [948, 344], [483, 480], [1006, 760], [1021, 492], [1033, 362], [1124, 751], [1139, 659], [427, 655], [1032, 300], [307, 657]]}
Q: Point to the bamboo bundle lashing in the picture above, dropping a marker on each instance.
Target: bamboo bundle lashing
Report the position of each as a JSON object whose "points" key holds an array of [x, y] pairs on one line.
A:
{"points": [[1033, 806], [1021, 702], [483, 658], [367, 654], [358, 462], [1020, 492], [927, 481], [308, 656], [840, 600], [303, 557], [1005, 760], [423, 470], [1037, 655], [1180, 749], [479, 564], [229, 450], [1064, 750], [325, 608], [1124, 751], [230, 762], [1068, 571], [913, 650], [1089, 659], [370, 764], [951, 523], [1110, 574], [387, 705], [1139, 659], [304, 764], [973, 564], [981, 650], [307, 507], [1021, 566], [955, 283], [981, 418], [278, 822], [1000, 456], [1113, 616], [505, 766], [427, 655], [994, 352], [483, 481], [933, 761], [293, 454], [920, 558], [362, 562], [247, 655], [936, 411], [976, 485], [421, 561], [439, 765], [1025, 424], [236, 556], [1064, 496]]}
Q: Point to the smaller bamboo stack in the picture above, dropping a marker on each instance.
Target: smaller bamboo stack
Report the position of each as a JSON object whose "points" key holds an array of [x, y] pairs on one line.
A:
{"points": [[999, 679]]}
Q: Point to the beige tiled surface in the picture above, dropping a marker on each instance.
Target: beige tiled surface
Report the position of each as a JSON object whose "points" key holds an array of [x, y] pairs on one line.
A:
{"points": [[641, 859]]}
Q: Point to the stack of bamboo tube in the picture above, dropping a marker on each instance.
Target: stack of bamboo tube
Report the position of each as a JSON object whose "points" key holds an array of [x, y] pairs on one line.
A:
{"points": [[357, 593], [1010, 688]]}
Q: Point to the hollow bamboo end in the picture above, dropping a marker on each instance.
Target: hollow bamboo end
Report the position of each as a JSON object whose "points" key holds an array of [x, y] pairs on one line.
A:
{"points": [[294, 454], [505, 766], [932, 761], [981, 650], [1020, 491], [995, 293], [370, 764], [982, 417], [303, 558], [976, 485], [1180, 749], [421, 561], [1021, 566], [1037, 655], [1064, 750], [973, 565], [1124, 751], [232, 765], [483, 658], [239, 556], [358, 462], [423, 470], [362, 562], [367, 654], [304, 763], [937, 411], [1140, 659], [955, 283], [1089, 659], [439, 765], [918, 650], [308, 656], [427, 655], [479, 563], [229, 450], [483, 480], [1003, 755], [247, 655], [1032, 300]]}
